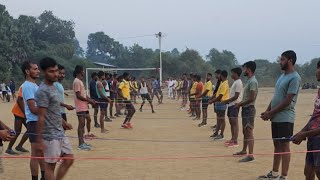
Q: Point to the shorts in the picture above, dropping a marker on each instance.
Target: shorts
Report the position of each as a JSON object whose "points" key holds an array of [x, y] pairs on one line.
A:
{"points": [[197, 102], [220, 107], [157, 91], [248, 114], [103, 104], [4, 92], [129, 105], [313, 158], [17, 118], [205, 102], [64, 116], [145, 96], [95, 105], [233, 112], [32, 131], [83, 113], [282, 130], [56, 148]]}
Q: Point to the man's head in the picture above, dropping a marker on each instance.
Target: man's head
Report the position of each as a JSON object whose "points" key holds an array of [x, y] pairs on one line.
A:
{"points": [[30, 70], [217, 73], [94, 76], [101, 75], [78, 72], [318, 71], [249, 68], [223, 75], [126, 76], [115, 76], [142, 79], [49, 68], [107, 76], [209, 76], [62, 72], [288, 60], [198, 78], [236, 73], [120, 78], [153, 78]]}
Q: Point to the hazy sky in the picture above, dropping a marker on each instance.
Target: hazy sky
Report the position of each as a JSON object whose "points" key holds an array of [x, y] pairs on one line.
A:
{"points": [[249, 28]]}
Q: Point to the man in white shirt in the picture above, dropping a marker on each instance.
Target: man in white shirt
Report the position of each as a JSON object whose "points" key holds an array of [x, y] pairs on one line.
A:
{"points": [[236, 91]]}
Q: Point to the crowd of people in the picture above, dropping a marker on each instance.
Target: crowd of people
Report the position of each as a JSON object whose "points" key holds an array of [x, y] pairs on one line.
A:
{"points": [[42, 110]]}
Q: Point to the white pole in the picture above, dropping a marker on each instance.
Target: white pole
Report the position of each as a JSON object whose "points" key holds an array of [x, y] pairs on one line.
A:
{"points": [[160, 36], [87, 81]]}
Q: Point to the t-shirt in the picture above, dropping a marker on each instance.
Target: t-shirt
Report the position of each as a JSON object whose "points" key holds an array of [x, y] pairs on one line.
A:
{"points": [[93, 90], [12, 86], [223, 90], [79, 87], [199, 89], [48, 97], [314, 122], [125, 89], [16, 109], [251, 85], [193, 89], [3, 87], [237, 87], [61, 95], [29, 90], [208, 87], [286, 84], [217, 87]]}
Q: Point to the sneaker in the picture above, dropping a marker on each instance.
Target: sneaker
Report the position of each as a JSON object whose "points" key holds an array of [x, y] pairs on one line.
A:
{"points": [[246, 159], [97, 125], [87, 144], [214, 135], [129, 125], [219, 137], [228, 142], [107, 119], [192, 115], [112, 117], [21, 149], [124, 126], [282, 178], [240, 153], [84, 147], [202, 124], [140, 109], [11, 152], [232, 144], [153, 112], [213, 127], [269, 176]]}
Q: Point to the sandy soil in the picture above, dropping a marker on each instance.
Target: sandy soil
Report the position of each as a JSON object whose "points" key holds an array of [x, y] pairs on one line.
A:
{"points": [[170, 123]]}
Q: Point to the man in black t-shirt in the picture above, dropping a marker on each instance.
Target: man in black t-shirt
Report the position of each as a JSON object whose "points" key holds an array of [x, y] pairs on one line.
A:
{"points": [[94, 96]]}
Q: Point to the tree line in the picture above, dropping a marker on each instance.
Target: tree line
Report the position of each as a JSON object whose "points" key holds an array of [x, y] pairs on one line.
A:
{"points": [[29, 37]]}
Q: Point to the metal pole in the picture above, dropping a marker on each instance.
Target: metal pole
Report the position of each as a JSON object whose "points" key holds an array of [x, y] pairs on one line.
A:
{"points": [[159, 35], [87, 82]]}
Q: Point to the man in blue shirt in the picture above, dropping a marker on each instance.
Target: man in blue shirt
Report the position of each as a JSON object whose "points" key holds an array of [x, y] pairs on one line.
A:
{"points": [[29, 88], [281, 112]]}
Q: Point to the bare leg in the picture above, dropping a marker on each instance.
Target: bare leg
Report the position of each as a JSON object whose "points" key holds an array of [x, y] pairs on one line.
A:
{"points": [[65, 166]]}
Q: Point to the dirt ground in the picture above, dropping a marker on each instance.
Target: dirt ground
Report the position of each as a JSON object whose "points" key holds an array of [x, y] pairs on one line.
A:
{"points": [[170, 124]]}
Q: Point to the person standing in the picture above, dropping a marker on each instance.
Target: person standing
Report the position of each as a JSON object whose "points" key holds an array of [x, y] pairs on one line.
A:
{"points": [[198, 96], [145, 94], [103, 100], [94, 96], [281, 112], [12, 87], [4, 91], [206, 95], [250, 93]]}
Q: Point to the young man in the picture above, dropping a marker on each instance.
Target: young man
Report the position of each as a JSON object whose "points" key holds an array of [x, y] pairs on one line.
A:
{"points": [[312, 132], [29, 89], [19, 120], [221, 95], [217, 76], [103, 100], [5, 135], [12, 87], [50, 126], [250, 93], [184, 91], [4, 91], [112, 95], [106, 87], [281, 112], [81, 102], [198, 97], [206, 95], [60, 88], [192, 97], [124, 93], [94, 96], [156, 90], [233, 112], [145, 94]]}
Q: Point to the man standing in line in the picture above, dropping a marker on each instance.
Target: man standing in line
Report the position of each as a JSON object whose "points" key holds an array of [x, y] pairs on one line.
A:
{"points": [[94, 96]]}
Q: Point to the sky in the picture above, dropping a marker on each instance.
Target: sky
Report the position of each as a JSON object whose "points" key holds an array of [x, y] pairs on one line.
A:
{"points": [[251, 29]]}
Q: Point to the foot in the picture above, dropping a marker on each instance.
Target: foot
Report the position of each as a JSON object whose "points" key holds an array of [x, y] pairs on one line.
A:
{"points": [[219, 137], [202, 124], [84, 147], [246, 159], [232, 144], [228, 142], [21, 149], [129, 125], [112, 117], [196, 119], [153, 112], [97, 125], [192, 115], [214, 135], [104, 130], [11, 152], [270, 175], [124, 126], [107, 119], [213, 127], [240, 153], [140, 109]]}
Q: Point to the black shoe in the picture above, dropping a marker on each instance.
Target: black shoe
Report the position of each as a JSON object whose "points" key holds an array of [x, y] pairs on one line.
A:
{"points": [[214, 135], [202, 124], [153, 112], [140, 109], [21, 149], [97, 125]]}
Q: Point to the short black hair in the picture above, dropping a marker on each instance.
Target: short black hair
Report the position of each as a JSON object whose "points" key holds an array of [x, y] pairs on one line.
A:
{"points": [[100, 74], [125, 74], [218, 71], [47, 62], [198, 77], [290, 55], [250, 65], [60, 67], [120, 77], [94, 74], [78, 69], [318, 64], [209, 74], [26, 65], [224, 73], [237, 70]]}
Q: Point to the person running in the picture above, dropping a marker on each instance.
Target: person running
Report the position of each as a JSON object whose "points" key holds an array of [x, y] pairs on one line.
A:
{"points": [[19, 120], [312, 131], [124, 93], [81, 102], [50, 126], [281, 112], [206, 95], [236, 91], [60, 88], [29, 89], [221, 95], [12, 87], [103, 99], [145, 94], [94, 96], [198, 96], [250, 93]]}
